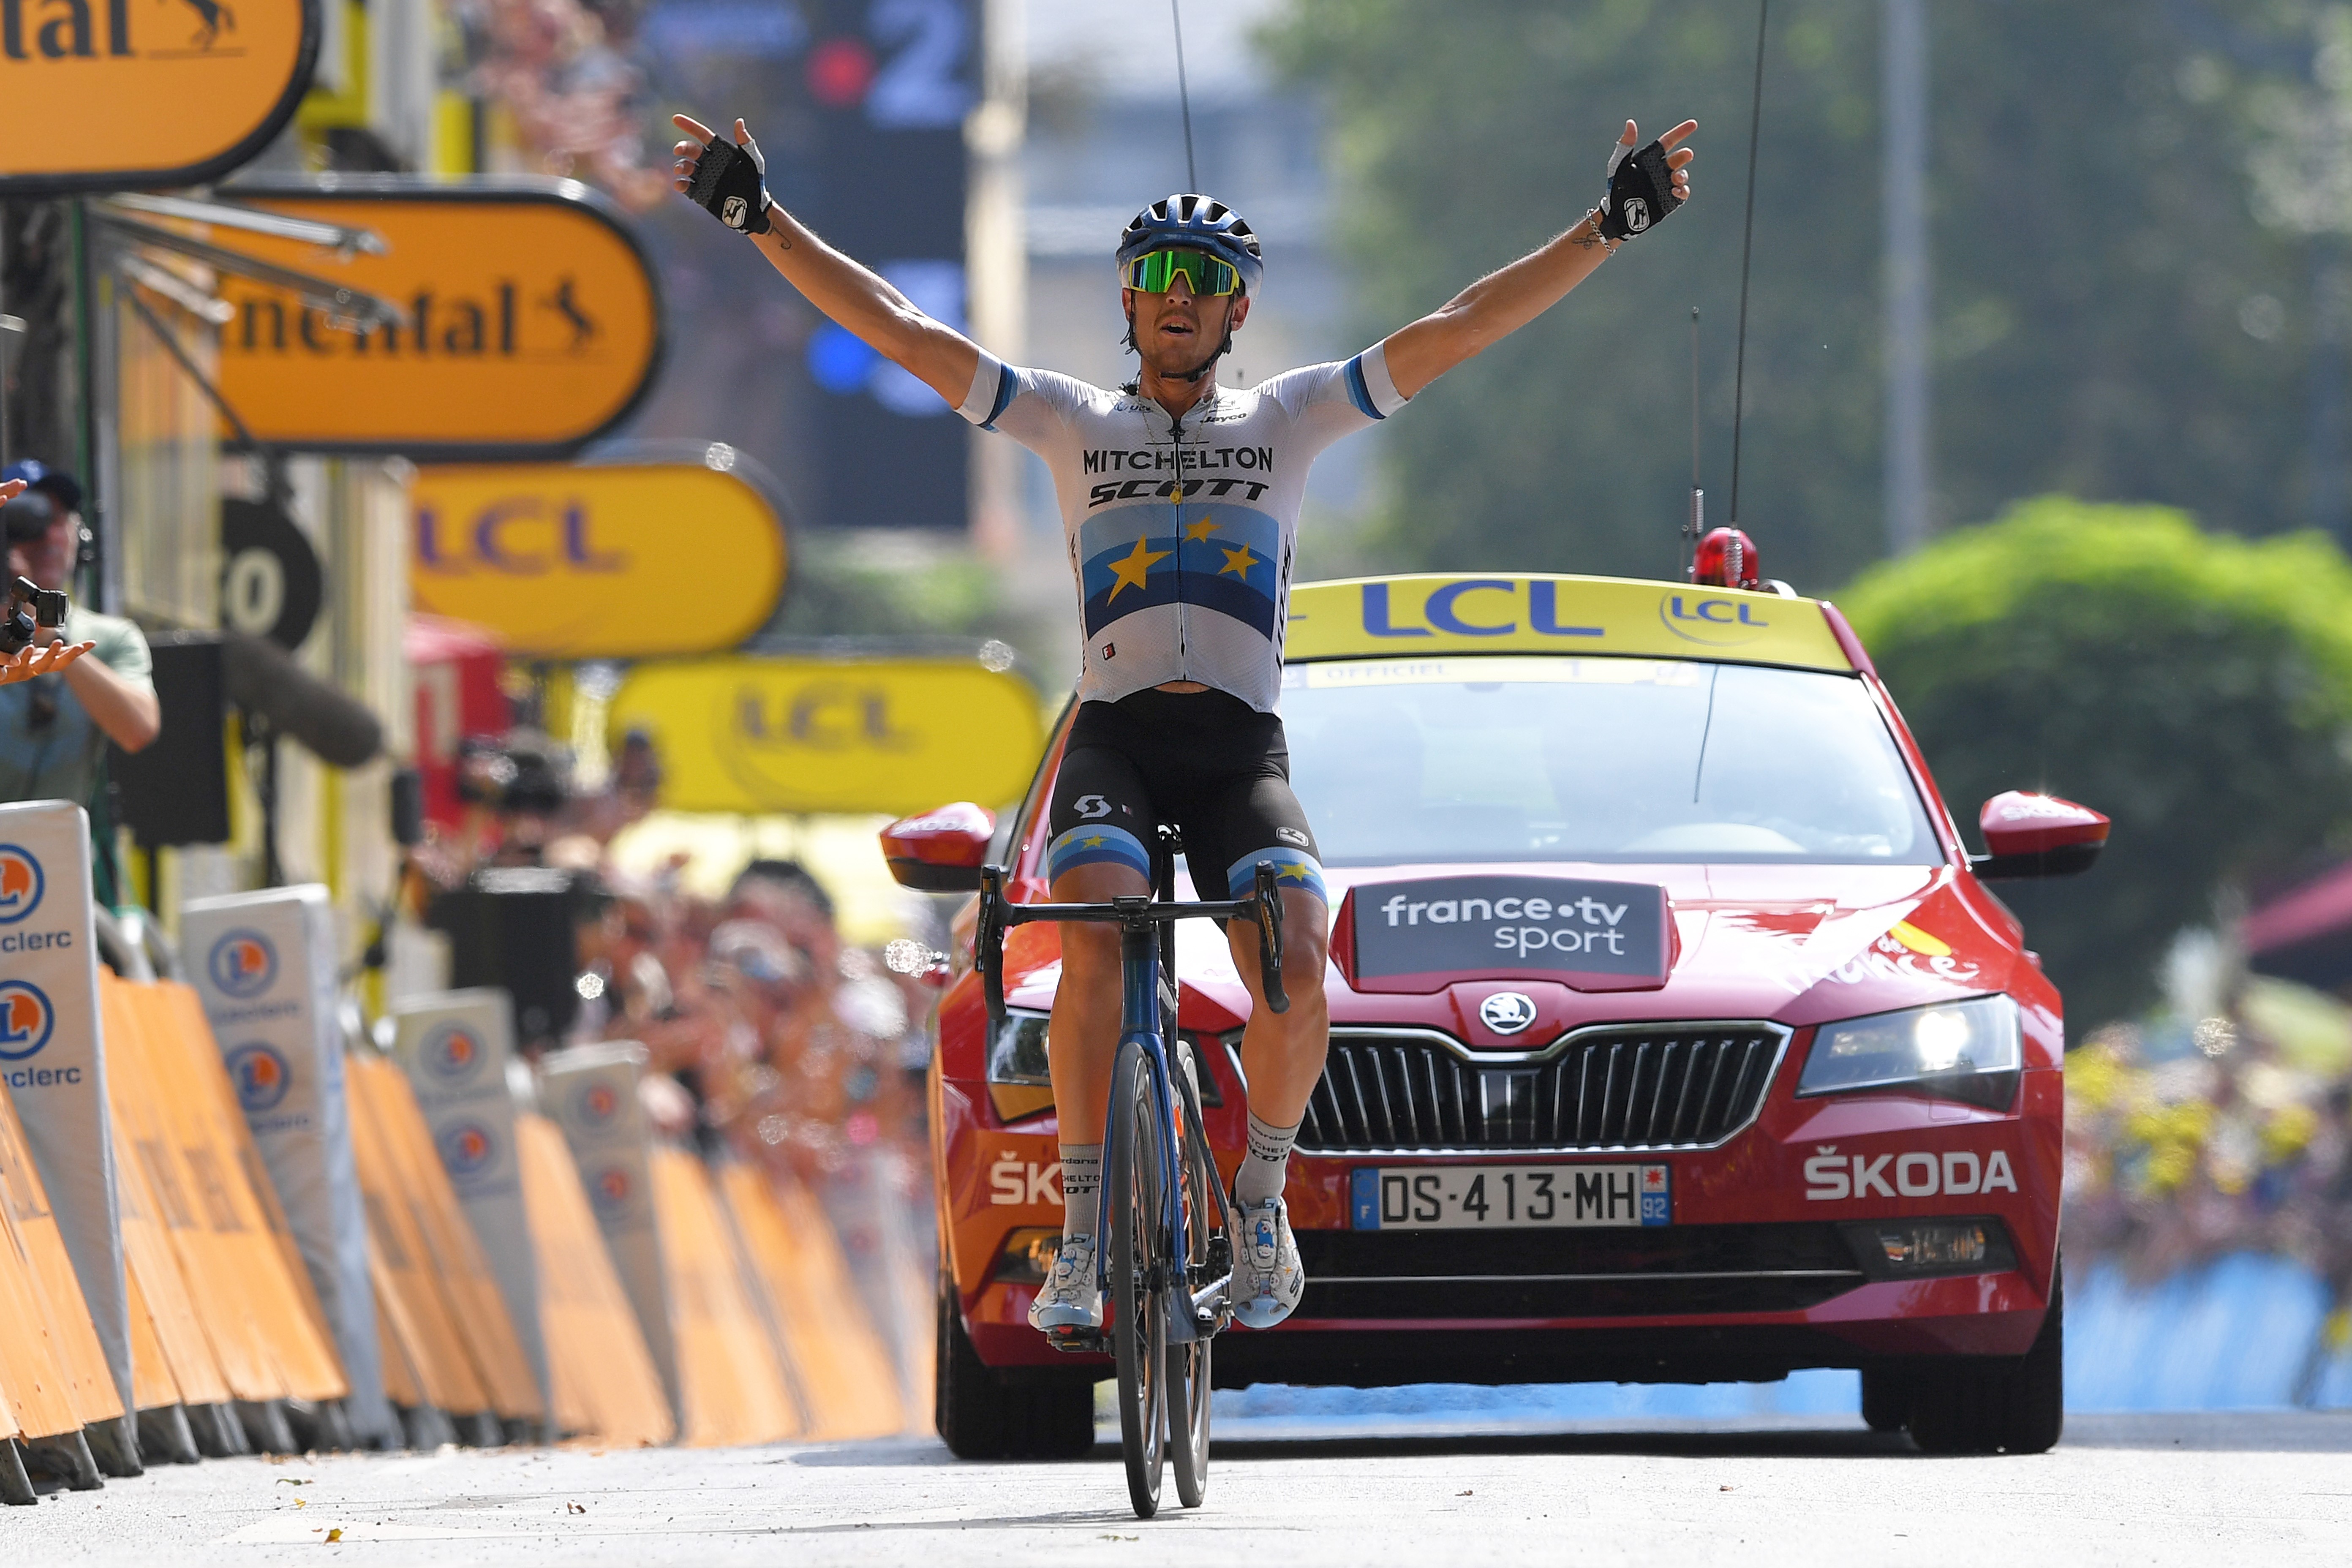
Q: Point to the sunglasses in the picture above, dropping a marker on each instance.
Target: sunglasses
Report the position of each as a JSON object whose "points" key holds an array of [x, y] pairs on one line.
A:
{"points": [[1204, 274]]}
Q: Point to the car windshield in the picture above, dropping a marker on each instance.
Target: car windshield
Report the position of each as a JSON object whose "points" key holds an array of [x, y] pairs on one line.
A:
{"points": [[1549, 758]]}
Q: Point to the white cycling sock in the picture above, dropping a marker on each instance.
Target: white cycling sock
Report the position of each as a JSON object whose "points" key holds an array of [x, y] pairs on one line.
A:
{"points": [[1267, 1162], [1081, 1187]]}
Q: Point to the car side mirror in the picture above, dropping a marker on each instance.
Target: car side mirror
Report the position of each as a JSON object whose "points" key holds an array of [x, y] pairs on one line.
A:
{"points": [[2037, 835], [940, 851]]}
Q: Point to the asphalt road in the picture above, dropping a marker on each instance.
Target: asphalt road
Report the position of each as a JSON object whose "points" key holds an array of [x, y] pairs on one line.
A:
{"points": [[2272, 1489]]}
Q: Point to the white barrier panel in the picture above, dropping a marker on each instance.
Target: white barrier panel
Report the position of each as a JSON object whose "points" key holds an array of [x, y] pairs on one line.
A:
{"points": [[455, 1046], [591, 1092], [264, 964], [49, 1051]]}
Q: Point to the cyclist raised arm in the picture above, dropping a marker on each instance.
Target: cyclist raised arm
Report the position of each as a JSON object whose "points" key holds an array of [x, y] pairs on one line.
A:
{"points": [[1180, 504]]}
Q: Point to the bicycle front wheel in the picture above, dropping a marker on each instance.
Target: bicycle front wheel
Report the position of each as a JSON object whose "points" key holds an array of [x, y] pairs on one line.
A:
{"points": [[1187, 1360], [1139, 1267]]}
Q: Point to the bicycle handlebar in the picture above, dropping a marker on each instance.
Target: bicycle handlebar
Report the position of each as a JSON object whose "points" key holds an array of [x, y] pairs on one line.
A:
{"points": [[1263, 908]]}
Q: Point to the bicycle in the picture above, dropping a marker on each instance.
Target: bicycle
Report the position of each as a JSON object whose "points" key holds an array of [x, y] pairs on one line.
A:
{"points": [[1164, 1220]]}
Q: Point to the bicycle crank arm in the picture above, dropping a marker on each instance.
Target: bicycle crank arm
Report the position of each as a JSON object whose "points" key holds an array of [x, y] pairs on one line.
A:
{"points": [[1079, 1341], [1209, 1306]]}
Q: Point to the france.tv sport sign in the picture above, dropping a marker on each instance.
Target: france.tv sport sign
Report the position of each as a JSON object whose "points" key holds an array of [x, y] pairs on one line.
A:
{"points": [[531, 320], [564, 562], [1594, 936], [112, 95]]}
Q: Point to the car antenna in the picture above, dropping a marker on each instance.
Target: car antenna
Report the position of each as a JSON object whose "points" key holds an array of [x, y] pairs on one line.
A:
{"points": [[1184, 96], [1694, 525], [1747, 247]]}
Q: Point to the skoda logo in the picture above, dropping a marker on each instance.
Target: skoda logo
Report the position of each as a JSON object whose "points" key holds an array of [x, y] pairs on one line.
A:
{"points": [[27, 1019], [242, 963], [259, 1075], [20, 883], [1507, 1012]]}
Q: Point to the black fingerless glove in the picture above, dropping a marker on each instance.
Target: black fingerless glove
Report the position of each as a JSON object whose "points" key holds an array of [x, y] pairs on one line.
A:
{"points": [[1641, 192], [730, 184]]}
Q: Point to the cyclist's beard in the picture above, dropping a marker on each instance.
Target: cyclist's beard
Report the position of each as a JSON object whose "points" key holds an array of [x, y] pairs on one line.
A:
{"points": [[1198, 372]]}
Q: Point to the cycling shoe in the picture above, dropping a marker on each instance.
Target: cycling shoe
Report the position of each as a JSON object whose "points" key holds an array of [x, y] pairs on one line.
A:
{"points": [[1267, 1278], [1069, 1298]]}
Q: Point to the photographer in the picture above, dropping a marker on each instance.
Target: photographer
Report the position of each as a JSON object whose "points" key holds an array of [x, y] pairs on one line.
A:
{"points": [[56, 717]]}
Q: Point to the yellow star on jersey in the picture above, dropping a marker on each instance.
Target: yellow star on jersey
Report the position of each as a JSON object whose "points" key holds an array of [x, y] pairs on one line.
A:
{"points": [[1095, 843], [1238, 562], [1200, 529], [1292, 871], [1132, 570]]}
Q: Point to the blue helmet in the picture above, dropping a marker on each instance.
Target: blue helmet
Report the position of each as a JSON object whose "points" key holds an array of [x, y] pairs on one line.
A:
{"points": [[1194, 223]]}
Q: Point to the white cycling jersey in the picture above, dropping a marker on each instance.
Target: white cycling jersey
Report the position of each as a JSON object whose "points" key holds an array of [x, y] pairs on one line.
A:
{"points": [[1181, 531]]}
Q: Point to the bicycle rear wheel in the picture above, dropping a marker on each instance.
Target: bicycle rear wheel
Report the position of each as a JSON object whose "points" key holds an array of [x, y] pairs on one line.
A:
{"points": [[1137, 1264], [1188, 1360]]}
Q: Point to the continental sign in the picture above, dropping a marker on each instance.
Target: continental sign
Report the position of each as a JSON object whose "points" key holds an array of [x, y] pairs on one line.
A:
{"points": [[532, 321], [752, 735], [110, 95], [1388, 617], [621, 562]]}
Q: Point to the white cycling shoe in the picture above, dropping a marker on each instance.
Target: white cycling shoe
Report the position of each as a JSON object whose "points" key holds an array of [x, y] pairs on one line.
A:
{"points": [[1267, 1278], [1069, 1298]]}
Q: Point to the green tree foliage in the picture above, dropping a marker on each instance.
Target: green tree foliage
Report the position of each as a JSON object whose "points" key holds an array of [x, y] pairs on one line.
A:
{"points": [[2111, 319], [2196, 688]]}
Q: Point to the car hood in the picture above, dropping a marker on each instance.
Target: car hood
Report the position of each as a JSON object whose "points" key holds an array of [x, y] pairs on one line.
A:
{"points": [[1800, 945]]}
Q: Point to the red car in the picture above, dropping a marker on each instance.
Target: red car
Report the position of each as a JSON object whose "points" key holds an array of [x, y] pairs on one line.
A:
{"points": [[1675, 1037]]}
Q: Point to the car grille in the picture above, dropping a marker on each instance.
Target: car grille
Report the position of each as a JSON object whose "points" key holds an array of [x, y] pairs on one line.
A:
{"points": [[1679, 1087], [1598, 1273]]}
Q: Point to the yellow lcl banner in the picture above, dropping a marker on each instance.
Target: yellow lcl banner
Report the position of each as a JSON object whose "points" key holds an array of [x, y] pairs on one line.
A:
{"points": [[532, 322], [751, 735], [625, 560], [110, 95]]}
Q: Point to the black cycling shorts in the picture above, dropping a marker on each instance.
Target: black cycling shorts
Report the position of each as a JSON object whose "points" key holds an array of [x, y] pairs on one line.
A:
{"points": [[1205, 761]]}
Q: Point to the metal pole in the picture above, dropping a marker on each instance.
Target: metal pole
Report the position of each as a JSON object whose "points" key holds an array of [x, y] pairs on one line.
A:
{"points": [[1904, 96]]}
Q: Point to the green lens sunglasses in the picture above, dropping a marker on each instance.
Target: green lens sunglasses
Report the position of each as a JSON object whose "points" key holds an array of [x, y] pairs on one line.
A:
{"points": [[1202, 273]]}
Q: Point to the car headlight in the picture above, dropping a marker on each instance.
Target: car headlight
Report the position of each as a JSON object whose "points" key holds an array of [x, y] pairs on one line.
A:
{"points": [[1020, 1083], [1960, 1050]]}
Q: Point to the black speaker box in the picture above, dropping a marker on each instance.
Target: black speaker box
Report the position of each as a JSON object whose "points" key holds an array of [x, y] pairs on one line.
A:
{"points": [[176, 791], [512, 928]]}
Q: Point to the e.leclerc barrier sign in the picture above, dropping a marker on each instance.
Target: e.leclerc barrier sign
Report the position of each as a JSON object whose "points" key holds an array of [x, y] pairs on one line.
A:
{"points": [[582, 562], [532, 326], [750, 735], [113, 95]]}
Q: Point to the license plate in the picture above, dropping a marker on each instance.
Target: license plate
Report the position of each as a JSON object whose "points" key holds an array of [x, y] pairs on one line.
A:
{"points": [[1510, 1197]]}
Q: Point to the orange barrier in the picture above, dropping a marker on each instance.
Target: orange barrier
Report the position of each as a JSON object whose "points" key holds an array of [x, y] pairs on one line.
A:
{"points": [[191, 1089], [159, 1291], [38, 1380], [454, 1253], [413, 1314], [847, 1385], [605, 1386], [90, 1384], [729, 1383], [212, 1274]]}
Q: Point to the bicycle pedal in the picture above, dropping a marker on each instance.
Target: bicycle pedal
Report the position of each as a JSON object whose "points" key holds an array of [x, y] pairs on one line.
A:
{"points": [[1077, 1342]]}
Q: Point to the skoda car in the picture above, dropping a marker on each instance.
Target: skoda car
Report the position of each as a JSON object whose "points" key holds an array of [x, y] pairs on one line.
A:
{"points": [[1676, 1036]]}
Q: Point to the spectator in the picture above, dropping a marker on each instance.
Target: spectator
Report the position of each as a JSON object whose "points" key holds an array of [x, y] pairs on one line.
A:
{"points": [[53, 728]]}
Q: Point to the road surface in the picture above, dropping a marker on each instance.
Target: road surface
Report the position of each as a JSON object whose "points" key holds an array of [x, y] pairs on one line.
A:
{"points": [[2272, 1489]]}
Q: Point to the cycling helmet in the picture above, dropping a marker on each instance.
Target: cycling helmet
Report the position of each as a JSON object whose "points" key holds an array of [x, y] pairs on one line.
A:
{"points": [[1194, 223]]}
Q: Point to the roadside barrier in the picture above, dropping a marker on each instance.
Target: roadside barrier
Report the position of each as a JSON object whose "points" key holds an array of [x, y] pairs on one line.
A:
{"points": [[592, 1093], [729, 1383], [832, 1357], [52, 1370], [604, 1387], [264, 966]]}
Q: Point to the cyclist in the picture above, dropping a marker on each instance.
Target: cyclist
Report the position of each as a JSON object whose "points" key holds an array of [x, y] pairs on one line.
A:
{"points": [[1179, 501]]}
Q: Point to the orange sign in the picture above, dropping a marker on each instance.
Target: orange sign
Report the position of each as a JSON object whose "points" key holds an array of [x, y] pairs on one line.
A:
{"points": [[533, 324], [597, 560], [112, 95]]}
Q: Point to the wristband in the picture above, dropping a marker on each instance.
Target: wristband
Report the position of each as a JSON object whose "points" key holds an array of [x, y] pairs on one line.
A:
{"points": [[1641, 192]]}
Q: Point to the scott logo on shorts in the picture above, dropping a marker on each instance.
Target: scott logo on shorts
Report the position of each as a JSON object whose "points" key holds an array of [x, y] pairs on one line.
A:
{"points": [[242, 963], [466, 1149], [21, 883], [27, 1019], [259, 1075], [452, 1051]]}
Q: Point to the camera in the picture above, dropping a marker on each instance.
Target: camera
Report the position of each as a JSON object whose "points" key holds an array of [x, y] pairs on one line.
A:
{"points": [[30, 607]]}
